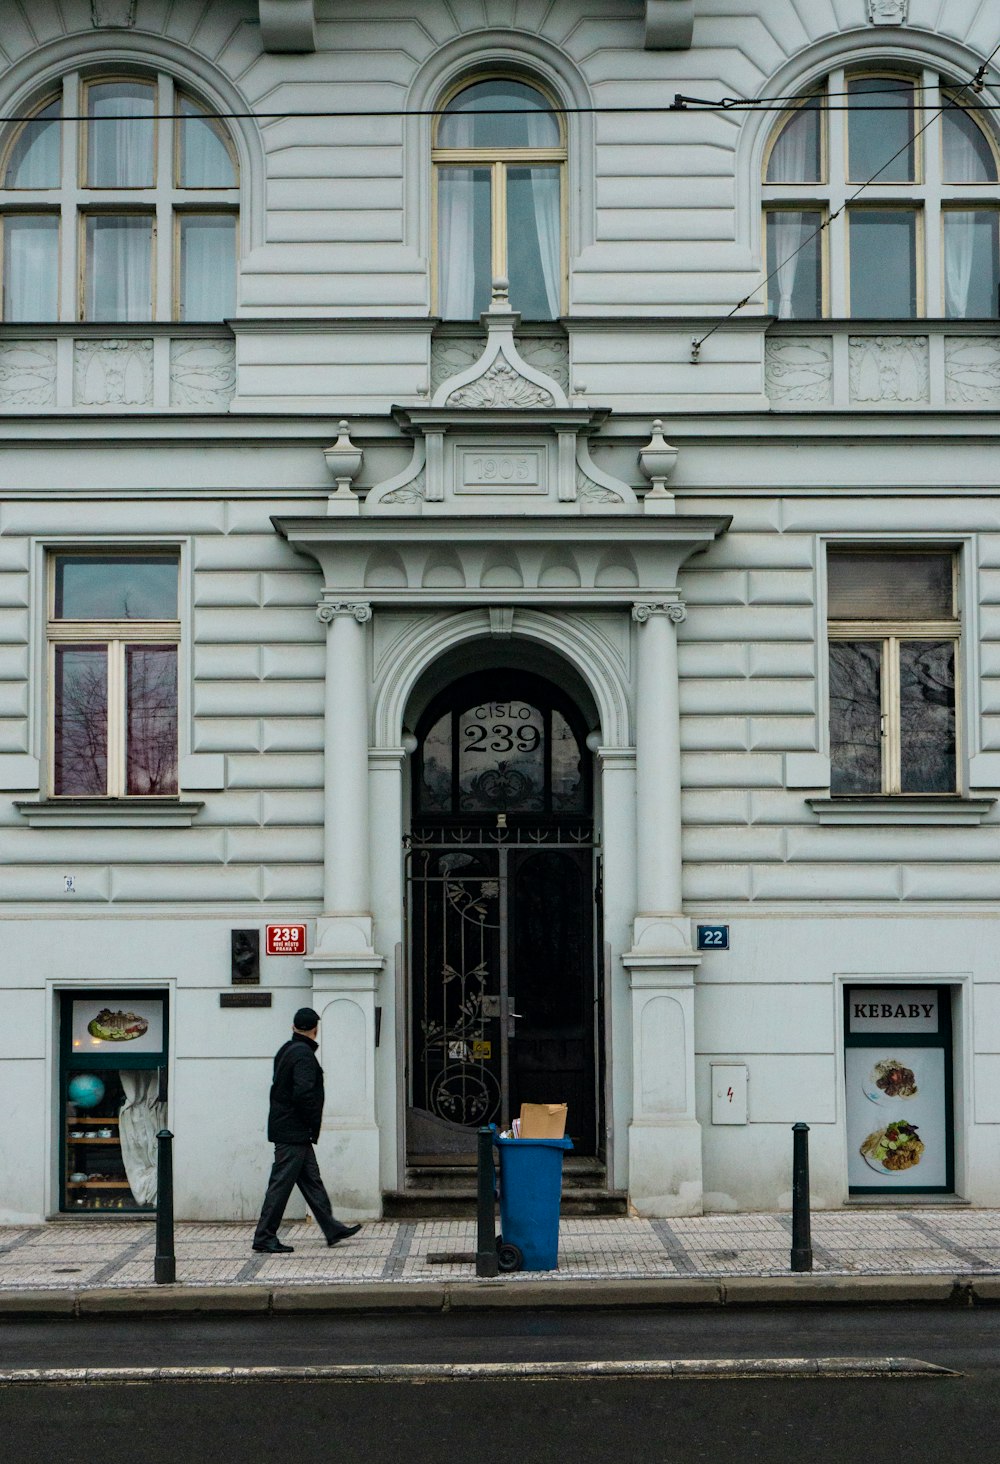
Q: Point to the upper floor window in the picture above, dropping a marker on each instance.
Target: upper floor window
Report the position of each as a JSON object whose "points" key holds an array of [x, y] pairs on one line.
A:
{"points": [[113, 634], [499, 164], [893, 637], [921, 239], [118, 202]]}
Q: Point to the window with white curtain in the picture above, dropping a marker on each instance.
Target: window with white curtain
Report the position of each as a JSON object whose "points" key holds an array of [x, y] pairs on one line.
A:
{"points": [[922, 238], [118, 202], [499, 164]]}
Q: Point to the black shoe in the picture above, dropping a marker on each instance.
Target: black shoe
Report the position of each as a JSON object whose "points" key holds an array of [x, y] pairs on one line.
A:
{"points": [[274, 1248], [342, 1233]]}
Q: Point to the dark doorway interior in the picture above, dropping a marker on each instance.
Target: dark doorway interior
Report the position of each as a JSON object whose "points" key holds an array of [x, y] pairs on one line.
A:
{"points": [[500, 914]]}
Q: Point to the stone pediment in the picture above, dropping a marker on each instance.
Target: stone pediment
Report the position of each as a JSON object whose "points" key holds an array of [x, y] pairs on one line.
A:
{"points": [[501, 437]]}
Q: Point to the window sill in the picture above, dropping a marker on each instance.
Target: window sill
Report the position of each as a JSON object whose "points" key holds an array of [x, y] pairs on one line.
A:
{"points": [[901, 809], [109, 813]]}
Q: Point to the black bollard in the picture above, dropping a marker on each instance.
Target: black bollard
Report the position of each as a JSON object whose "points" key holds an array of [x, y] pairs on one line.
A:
{"points": [[486, 1239], [802, 1255], [165, 1262]]}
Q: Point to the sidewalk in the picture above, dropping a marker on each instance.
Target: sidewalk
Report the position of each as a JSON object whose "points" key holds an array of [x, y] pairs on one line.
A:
{"points": [[928, 1254]]}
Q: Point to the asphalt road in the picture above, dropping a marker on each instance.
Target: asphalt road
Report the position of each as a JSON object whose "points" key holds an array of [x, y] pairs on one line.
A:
{"points": [[918, 1421]]}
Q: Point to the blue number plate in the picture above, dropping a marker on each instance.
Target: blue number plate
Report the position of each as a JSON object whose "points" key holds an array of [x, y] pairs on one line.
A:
{"points": [[713, 937]]}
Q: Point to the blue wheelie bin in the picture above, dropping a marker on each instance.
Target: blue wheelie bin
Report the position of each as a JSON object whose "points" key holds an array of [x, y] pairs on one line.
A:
{"points": [[530, 1190]]}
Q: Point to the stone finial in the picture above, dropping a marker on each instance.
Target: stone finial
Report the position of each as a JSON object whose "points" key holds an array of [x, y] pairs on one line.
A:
{"points": [[344, 461], [657, 461], [500, 295]]}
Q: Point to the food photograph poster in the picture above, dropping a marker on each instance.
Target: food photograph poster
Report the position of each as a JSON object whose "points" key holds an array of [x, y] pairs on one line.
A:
{"points": [[131, 1026], [896, 1117]]}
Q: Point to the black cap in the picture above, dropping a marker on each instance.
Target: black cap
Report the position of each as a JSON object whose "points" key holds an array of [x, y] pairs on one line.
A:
{"points": [[305, 1019]]}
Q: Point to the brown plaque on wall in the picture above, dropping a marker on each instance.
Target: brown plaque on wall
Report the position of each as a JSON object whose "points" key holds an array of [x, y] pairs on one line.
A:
{"points": [[244, 998]]}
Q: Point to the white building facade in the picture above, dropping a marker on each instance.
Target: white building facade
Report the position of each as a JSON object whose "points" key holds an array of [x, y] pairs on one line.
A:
{"points": [[500, 543]]}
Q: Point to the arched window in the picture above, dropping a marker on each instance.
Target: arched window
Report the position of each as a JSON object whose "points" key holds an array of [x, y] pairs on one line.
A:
{"points": [[922, 237], [499, 162], [118, 200]]}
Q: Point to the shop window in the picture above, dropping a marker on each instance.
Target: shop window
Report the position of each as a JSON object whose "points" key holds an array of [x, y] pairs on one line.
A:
{"points": [[113, 1081], [893, 646], [113, 209], [113, 635], [923, 238], [499, 164]]}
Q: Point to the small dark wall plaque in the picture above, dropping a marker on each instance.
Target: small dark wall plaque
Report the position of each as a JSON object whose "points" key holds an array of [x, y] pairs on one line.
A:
{"points": [[245, 947], [244, 998]]}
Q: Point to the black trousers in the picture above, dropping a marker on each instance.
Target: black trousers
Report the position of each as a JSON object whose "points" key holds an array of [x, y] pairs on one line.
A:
{"points": [[294, 1164]]}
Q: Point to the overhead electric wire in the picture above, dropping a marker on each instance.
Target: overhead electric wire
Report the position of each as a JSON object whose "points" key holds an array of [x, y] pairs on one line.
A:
{"points": [[975, 82], [680, 103]]}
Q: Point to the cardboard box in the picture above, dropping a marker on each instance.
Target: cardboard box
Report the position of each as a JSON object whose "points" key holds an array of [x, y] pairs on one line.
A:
{"points": [[543, 1120]]}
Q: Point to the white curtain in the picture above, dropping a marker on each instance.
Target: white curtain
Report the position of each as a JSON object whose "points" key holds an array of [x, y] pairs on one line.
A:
{"points": [[119, 263], [963, 164], [208, 266], [787, 230], [789, 160], [31, 267], [545, 195], [456, 242], [119, 151], [205, 159], [34, 158], [140, 1118], [959, 247]]}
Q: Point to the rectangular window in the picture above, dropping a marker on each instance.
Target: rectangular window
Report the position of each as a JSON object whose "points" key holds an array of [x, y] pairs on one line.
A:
{"points": [[118, 267], [795, 263], [881, 141], [883, 252], [113, 633], [31, 267], [893, 639]]}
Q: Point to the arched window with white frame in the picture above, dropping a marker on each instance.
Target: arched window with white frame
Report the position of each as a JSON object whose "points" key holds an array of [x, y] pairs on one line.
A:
{"points": [[922, 238], [499, 171], [119, 200]]}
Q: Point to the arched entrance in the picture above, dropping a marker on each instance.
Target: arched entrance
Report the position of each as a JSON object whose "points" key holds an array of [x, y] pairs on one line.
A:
{"points": [[501, 913]]}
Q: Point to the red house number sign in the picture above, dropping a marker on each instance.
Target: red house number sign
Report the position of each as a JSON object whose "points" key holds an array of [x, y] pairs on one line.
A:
{"points": [[286, 940]]}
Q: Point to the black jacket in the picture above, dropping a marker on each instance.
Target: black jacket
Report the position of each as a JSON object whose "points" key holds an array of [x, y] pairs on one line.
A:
{"points": [[296, 1110]]}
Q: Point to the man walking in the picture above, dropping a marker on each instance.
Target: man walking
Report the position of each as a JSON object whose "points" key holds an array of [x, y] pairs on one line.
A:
{"points": [[293, 1125]]}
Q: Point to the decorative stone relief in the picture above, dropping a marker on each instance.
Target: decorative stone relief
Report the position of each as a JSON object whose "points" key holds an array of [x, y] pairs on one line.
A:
{"points": [[888, 368], [798, 368], [27, 374], [454, 354], [972, 369], [415, 491], [202, 374], [549, 354], [451, 356], [594, 492], [501, 386], [113, 373], [117, 13], [887, 12]]}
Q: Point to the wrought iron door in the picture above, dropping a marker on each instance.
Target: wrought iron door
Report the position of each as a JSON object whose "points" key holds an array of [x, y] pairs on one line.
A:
{"points": [[500, 943]]}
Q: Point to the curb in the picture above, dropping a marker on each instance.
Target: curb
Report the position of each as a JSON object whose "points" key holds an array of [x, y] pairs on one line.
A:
{"points": [[502, 1294], [724, 1369]]}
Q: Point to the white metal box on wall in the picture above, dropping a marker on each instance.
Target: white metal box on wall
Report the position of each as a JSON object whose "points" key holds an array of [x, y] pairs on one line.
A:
{"points": [[729, 1092]]}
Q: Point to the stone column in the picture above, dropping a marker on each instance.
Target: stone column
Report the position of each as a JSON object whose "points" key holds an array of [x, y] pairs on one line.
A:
{"points": [[665, 1165], [345, 966]]}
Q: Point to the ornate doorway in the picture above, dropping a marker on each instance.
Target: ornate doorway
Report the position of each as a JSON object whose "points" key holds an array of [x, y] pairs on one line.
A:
{"points": [[501, 913]]}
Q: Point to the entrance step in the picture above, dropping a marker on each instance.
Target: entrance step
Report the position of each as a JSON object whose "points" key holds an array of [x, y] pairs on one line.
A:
{"points": [[447, 1190]]}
